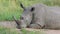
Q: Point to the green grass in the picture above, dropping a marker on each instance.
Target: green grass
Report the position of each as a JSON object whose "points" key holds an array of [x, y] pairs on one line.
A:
{"points": [[8, 8], [8, 31], [14, 31], [31, 32]]}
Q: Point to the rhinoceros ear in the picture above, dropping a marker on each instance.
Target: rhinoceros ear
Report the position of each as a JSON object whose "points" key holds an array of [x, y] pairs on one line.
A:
{"points": [[22, 5], [32, 9]]}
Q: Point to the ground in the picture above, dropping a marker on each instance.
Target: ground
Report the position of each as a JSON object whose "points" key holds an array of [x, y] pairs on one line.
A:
{"points": [[46, 31]]}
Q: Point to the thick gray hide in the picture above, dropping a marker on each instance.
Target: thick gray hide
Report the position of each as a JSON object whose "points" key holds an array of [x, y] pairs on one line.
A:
{"points": [[44, 16]]}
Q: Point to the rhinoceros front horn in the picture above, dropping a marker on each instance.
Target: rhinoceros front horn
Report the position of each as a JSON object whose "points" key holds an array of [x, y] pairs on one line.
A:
{"points": [[17, 21]]}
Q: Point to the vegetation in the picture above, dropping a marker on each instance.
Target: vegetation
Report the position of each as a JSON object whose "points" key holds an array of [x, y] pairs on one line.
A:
{"points": [[8, 8], [8, 31], [31, 32], [14, 31]]}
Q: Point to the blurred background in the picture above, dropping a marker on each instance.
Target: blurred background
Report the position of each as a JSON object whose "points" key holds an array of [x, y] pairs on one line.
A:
{"points": [[8, 8]]}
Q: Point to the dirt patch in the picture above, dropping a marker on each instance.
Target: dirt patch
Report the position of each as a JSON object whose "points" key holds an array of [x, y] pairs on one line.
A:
{"points": [[12, 24], [46, 31], [8, 24]]}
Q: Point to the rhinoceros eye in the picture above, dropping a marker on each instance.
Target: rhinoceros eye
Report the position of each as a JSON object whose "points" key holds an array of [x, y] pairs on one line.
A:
{"points": [[32, 9]]}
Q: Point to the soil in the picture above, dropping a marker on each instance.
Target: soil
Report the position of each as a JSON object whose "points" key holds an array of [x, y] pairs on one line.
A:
{"points": [[12, 24]]}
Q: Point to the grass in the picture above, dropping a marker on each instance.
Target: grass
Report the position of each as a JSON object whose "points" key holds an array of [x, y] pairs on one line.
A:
{"points": [[8, 31], [14, 31], [31, 32], [8, 8]]}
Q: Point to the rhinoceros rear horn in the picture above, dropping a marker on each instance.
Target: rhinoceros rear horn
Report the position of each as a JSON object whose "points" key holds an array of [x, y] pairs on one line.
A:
{"points": [[22, 5]]}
